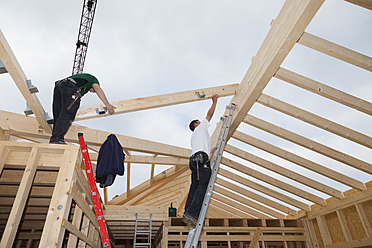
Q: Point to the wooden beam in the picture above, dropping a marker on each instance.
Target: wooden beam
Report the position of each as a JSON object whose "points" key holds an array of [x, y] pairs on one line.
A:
{"points": [[256, 237], [324, 231], [259, 187], [283, 171], [259, 198], [143, 187], [127, 106], [19, 77], [4, 134], [344, 226], [154, 187], [128, 213], [341, 204], [19, 204], [285, 31], [336, 51], [53, 232], [274, 182], [251, 207], [315, 120], [72, 229], [27, 126], [362, 3], [298, 160], [354, 243], [324, 90], [364, 219], [229, 209], [310, 144]]}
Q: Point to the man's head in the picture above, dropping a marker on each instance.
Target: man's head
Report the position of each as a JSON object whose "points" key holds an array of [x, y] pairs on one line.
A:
{"points": [[193, 124]]}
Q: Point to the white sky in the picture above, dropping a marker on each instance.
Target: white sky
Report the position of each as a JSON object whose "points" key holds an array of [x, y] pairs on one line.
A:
{"points": [[145, 47]]}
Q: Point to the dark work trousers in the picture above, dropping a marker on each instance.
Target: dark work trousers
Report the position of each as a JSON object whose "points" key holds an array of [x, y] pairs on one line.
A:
{"points": [[198, 187], [63, 96]]}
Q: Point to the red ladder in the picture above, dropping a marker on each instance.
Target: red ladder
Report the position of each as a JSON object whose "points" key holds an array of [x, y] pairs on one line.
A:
{"points": [[94, 192]]}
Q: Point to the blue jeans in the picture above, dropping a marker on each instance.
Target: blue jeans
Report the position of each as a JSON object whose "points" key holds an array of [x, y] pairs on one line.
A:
{"points": [[63, 118], [198, 187]]}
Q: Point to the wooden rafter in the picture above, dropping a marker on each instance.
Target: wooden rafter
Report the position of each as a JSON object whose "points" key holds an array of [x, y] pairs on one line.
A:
{"points": [[324, 90], [309, 144], [19, 77], [283, 171], [273, 181], [336, 51], [285, 31], [363, 3], [315, 120]]}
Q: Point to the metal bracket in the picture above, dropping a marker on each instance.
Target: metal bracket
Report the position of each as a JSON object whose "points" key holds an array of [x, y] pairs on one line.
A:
{"points": [[28, 110], [2, 68], [104, 111], [32, 88], [200, 95]]}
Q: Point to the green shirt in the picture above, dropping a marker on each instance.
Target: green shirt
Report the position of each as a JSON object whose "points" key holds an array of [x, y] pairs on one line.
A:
{"points": [[84, 82]]}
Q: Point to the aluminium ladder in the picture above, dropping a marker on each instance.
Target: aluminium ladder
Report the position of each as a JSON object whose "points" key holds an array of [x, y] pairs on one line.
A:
{"points": [[142, 234], [94, 192], [194, 233]]}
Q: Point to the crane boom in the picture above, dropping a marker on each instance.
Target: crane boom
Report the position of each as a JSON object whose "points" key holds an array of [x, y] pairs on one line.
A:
{"points": [[86, 22]]}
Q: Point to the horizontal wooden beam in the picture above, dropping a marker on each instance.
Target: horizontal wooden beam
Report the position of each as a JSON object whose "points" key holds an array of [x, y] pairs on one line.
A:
{"points": [[128, 213], [336, 51], [324, 90], [358, 197], [137, 104], [140, 159], [27, 126]]}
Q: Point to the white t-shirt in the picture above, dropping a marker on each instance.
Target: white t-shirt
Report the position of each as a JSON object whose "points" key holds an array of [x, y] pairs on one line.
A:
{"points": [[200, 138]]}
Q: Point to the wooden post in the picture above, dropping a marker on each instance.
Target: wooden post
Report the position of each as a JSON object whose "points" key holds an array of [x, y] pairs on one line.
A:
{"points": [[60, 203], [324, 232]]}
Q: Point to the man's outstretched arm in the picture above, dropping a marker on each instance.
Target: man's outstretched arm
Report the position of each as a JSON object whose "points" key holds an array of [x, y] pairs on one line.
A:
{"points": [[102, 96], [212, 108]]}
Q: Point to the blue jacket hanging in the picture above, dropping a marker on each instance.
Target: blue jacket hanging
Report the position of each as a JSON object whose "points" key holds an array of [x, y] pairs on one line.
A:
{"points": [[110, 161]]}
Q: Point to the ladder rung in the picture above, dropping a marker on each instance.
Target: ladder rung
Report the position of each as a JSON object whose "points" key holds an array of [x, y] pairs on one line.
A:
{"points": [[142, 231]]}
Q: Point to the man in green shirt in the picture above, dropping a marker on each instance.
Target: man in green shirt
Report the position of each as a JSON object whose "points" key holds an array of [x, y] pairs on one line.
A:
{"points": [[66, 102]]}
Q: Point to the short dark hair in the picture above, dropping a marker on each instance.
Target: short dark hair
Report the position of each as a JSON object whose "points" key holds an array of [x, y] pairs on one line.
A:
{"points": [[192, 124]]}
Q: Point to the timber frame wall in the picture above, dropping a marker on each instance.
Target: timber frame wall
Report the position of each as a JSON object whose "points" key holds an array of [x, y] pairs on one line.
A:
{"points": [[45, 199]]}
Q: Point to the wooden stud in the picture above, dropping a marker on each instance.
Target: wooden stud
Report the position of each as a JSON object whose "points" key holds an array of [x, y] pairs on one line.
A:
{"points": [[364, 219], [324, 232], [20, 200], [344, 226], [84, 230], [76, 222]]}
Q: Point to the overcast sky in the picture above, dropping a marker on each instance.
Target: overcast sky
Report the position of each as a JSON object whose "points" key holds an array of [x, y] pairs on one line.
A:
{"points": [[150, 47]]}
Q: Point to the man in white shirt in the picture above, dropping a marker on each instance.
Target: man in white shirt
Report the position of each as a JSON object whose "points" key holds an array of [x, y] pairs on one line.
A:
{"points": [[199, 165]]}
